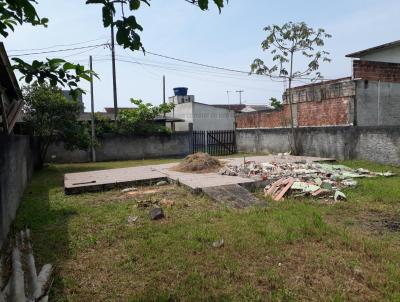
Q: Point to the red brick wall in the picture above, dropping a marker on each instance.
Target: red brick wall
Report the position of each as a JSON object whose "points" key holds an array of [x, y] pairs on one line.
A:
{"points": [[375, 71], [330, 112], [275, 119]]}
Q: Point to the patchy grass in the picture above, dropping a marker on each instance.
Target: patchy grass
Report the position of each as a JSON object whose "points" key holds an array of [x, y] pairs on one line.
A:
{"points": [[296, 250]]}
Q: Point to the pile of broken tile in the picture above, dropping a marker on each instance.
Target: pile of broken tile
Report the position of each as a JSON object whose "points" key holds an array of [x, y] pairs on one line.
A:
{"points": [[320, 180]]}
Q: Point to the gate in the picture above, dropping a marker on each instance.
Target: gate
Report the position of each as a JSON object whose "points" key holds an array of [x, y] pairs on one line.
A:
{"points": [[219, 142]]}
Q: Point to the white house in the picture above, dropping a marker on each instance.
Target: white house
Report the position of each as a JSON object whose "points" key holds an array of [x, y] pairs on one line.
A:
{"points": [[203, 117]]}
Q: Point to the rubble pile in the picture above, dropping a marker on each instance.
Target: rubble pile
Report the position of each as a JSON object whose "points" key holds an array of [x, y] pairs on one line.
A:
{"points": [[199, 162], [303, 178]]}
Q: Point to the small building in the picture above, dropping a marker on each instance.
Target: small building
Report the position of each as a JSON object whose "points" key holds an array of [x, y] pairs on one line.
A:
{"points": [[376, 72], [200, 116]]}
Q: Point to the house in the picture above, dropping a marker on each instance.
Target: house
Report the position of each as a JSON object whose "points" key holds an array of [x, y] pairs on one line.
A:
{"points": [[200, 116], [10, 94], [370, 97]]}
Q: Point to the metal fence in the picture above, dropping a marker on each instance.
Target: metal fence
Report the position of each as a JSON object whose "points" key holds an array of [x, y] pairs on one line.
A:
{"points": [[218, 142]]}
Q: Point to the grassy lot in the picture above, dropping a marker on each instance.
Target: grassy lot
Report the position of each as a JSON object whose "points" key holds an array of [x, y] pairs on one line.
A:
{"points": [[296, 250]]}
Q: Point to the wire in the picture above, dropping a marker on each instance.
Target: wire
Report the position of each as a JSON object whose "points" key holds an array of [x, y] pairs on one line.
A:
{"points": [[58, 50], [79, 53], [191, 72], [199, 64], [221, 68], [59, 45]]}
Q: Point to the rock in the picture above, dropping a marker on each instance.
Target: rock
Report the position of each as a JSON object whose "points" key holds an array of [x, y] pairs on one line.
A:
{"points": [[132, 219], [161, 183], [218, 243], [156, 214], [129, 190]]}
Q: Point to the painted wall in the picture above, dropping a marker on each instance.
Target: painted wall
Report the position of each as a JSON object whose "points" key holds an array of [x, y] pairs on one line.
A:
{"points": [[206, 117], [18, 158], [378, 103], [389, 55], [378, 144], [203, 117], [118, 147], [183, 111]]}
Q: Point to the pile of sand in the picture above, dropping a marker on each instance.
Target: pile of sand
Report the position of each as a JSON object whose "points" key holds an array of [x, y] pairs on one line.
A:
{"points": [[200, 163]]}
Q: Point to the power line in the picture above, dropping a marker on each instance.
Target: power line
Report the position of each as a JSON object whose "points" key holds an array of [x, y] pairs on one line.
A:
{"points": [[193, 73], [196, 63], [81, 52], [59, 45], [58, 50], [223, 68]]}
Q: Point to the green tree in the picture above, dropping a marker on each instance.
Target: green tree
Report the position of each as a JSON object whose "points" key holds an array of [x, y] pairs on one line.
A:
{"points": [[59, 72], [103, 125], [276, 104], [53, 117], [284, 43], [140, 120]]}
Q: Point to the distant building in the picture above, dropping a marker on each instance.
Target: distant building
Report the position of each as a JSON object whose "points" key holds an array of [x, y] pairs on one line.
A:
{"points": [[200, 116]]}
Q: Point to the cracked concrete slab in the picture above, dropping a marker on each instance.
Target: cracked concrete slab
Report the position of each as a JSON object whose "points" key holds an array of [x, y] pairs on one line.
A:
{"points": [[92, 181]]}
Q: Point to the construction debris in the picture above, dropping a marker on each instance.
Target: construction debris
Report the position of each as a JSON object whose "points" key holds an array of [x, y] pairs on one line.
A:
{"points": [[156, 214], [161, 183], [303, 178], [132, 219], [200, 163], [25, 284]]}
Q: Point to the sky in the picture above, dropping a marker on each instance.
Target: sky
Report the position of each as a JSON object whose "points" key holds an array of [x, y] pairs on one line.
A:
{"points": [[230, 39]]}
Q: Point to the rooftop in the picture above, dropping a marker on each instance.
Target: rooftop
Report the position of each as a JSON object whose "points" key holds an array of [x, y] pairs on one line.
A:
{"points": [[361, 53]]}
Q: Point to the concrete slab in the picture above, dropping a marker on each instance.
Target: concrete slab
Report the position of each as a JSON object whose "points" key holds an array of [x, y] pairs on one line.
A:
{"points": [[102, 180], [234, 195], [75, 183]]}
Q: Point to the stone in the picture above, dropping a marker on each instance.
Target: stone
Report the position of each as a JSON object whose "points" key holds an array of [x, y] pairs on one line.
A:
{"points": [[132, 219], [218, 243], [129, 190], [156, 214], [161, 183]]}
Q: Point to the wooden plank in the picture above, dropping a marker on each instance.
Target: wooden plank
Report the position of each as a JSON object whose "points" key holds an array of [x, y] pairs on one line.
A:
{"points": [[282, 193]]}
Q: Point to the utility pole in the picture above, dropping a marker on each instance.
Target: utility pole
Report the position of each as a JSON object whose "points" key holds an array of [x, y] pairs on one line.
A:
{"points": [[114, 74], [164, 91], [227, 93], [240, 95], [92, 109]]}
